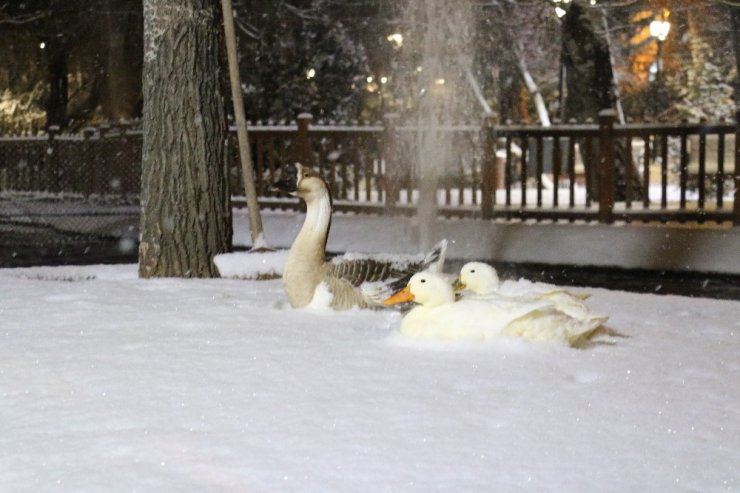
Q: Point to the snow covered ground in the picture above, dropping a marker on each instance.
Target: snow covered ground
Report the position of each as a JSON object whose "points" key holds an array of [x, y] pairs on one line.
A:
{"points": [[110, 383]]}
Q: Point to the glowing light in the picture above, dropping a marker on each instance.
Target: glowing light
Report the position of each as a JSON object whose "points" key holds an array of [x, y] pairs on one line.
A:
{"points": [[396, 39], [42, 45], [310, 74], [369, 79], [440, 81], [660, 29], [418, 69], [560, 12], [383, 80]]}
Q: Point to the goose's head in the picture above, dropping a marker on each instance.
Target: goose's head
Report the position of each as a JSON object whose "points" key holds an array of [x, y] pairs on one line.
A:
{"points": [[302, 181], [425, 288], [478, 277]]}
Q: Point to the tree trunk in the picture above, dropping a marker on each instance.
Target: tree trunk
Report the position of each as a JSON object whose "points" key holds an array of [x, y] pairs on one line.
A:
{"points": [[56, 106], [532, 87], [508, 93], [120, 42], [736, 33], [186, 215], [588, 66], [589, 80]]}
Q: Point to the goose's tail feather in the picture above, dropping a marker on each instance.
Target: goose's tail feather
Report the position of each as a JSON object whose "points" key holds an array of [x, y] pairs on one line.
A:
{"points": [[435, 259]]}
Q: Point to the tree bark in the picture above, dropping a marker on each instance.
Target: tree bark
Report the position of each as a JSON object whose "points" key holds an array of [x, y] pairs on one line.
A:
{"points": [[186, 214], [56, 106], [532, 87], [736, 33], [588, 66], [120, 42], [508, 87], [590, 89]]}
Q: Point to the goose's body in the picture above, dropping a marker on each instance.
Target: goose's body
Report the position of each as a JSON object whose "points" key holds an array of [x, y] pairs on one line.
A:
{"points": [[362, 281], [438, 316], [483, 282]]}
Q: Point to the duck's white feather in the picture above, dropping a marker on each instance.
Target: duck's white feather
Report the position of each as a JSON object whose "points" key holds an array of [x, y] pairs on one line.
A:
{"points": [[438, 316], [483, 283], [469, 320]]}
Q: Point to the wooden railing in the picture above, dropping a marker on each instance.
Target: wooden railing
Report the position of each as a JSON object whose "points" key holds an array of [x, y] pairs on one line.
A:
{"points": [[602, 171]]}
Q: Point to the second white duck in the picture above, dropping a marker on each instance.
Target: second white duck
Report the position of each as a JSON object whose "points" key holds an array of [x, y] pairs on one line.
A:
{"points": [[483, 281]]}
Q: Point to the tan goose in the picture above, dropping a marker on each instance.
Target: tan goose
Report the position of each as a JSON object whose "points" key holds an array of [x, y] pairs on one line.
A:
{"points": [[361, 281]]}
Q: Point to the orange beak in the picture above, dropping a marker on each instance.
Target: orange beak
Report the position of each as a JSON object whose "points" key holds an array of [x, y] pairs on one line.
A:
{"points": [[400, 297]]}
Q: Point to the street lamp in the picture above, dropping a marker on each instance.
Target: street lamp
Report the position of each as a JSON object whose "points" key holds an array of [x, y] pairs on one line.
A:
{"points": [[560, 11], [396, 39], [659, 29]]}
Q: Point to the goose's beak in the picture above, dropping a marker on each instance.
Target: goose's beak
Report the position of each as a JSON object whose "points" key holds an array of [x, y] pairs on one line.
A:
{"points": [[286, 185], [400, 297], [457, 284], [289, 181]]}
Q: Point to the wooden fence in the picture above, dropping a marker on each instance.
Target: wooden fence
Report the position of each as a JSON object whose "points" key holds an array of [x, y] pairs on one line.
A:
{"points": [[605, 172]]}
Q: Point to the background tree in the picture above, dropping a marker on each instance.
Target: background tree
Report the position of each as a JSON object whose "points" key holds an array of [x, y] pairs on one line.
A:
{"points": [[100, 43], [589, 82], [734, 9], [186, 214], [702, 86], [119, 53], [69, 63], [299, 56], [587, 65], [516, 48]]}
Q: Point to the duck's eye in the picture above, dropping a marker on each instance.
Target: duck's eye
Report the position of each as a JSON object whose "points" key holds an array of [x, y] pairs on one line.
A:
{"points": [[472, 271], [423, 280]]}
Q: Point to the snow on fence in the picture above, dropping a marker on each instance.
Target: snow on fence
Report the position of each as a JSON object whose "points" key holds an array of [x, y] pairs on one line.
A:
{"points": [[602, 171]]}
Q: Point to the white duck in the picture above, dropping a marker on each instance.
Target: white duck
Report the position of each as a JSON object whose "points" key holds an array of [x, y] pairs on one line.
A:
{"points": [[351, 281], [482, 279], [439, 316]]}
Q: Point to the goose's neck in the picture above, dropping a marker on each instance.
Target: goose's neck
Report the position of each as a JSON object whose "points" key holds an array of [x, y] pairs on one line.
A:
{"points": [[311, 240]]}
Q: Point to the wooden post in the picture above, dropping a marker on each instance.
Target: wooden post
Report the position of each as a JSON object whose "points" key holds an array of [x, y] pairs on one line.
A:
{"points": [[122, 185], [392, 163], [736, 206], [51, 160], [89, 160], [303, 143], [250, 190], [607, 118], [488, 165], [95, 171]]}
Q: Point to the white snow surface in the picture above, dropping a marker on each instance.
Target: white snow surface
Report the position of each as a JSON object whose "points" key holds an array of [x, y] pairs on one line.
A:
{"points": [[110, 383]]}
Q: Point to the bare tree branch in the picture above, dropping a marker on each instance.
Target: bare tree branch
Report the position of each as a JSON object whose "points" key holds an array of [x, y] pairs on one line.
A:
{"points": [[25, 19]]}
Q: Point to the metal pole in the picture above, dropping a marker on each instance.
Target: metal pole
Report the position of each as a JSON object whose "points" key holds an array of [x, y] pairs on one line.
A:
{"points": [[250, 190], [657, 98]]}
